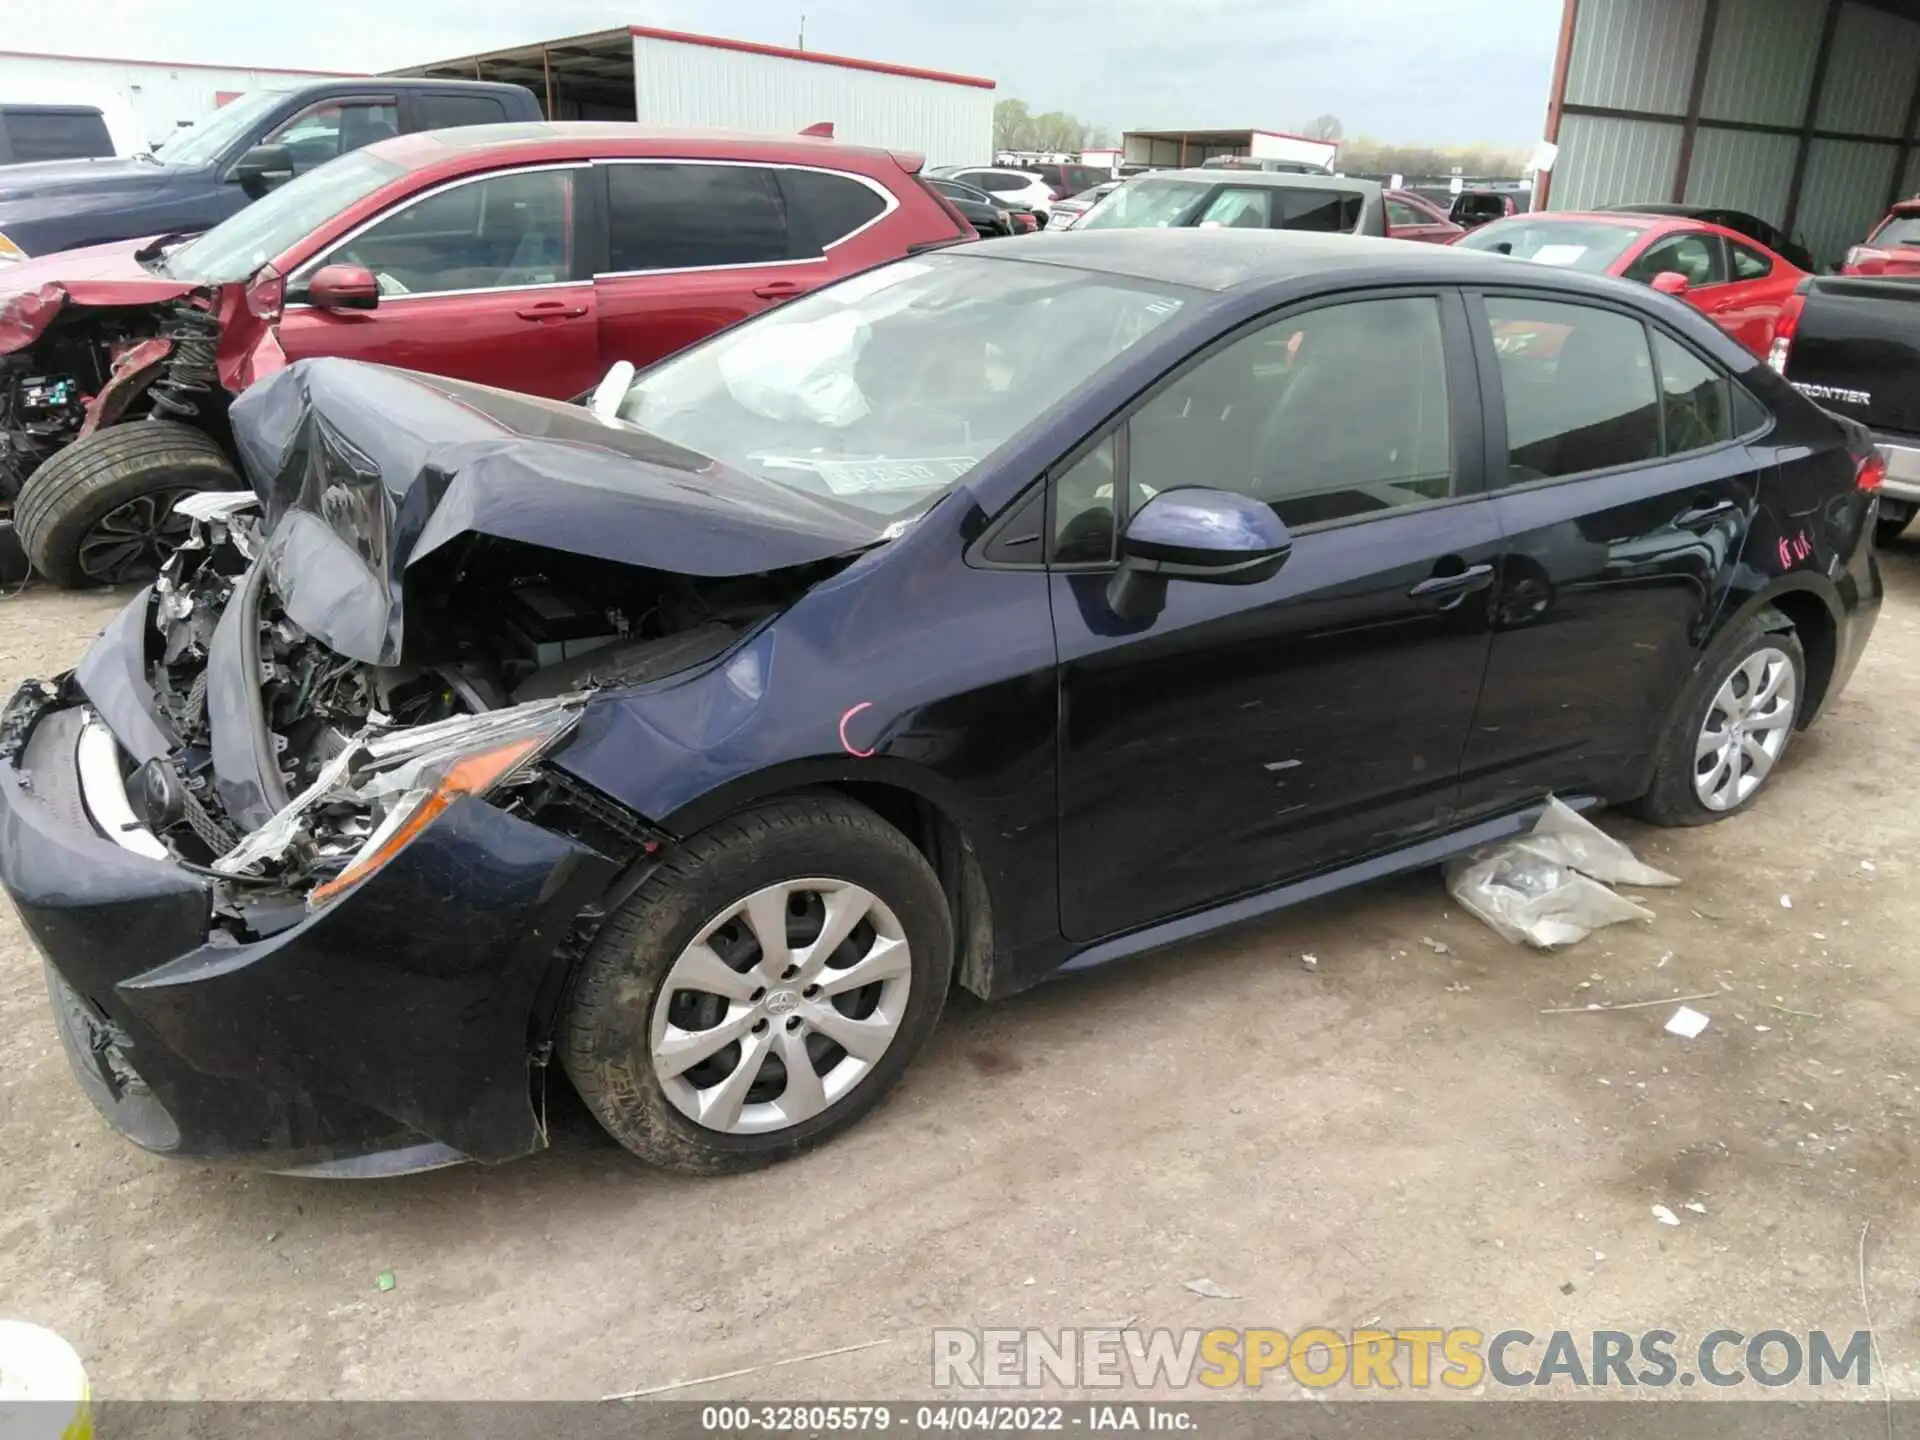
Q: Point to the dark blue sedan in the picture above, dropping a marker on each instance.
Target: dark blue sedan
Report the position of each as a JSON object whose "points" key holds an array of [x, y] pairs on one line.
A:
{"points": [[702, 737]]}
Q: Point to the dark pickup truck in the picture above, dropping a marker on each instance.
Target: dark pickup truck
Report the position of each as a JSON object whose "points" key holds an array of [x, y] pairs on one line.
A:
{"points": [[1852, 343], [199, 176]]}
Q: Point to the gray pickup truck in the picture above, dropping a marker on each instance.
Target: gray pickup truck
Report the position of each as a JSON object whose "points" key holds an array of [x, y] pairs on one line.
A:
{"points": [[1852, 343]]}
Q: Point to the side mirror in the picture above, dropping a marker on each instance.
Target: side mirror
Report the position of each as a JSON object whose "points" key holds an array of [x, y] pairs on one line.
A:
{"points": [[262, 168], [343, 287], [1671, 282], [1212, 536]]}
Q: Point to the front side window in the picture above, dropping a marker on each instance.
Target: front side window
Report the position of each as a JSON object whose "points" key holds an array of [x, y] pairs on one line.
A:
{"points": [[337, 128], [879, 393], [1403, 216], [1336, 413], [1695, 256], [501, 232], [1578, 387], [688, 216]]}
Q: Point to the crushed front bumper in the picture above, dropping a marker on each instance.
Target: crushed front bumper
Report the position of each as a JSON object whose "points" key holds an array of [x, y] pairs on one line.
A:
{"points": [[393, 1028]]}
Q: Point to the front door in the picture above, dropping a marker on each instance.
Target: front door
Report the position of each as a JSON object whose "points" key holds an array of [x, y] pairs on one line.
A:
{"points": [[479, 280], [1248, 734], [1623, 494]]}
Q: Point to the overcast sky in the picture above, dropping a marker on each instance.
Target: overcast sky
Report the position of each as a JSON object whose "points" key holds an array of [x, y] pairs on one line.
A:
{"points": [[1451, 72]]}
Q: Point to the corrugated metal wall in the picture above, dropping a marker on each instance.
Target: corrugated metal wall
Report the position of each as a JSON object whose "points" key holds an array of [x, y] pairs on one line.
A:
{"points": [[1606, 162], [1641, 55], [1844, 193], [1634, 54], [681, 84], [1742, 170], [1761, 66], [155, 99]]}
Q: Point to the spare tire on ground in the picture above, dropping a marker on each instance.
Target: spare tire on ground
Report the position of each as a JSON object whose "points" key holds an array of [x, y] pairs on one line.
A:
{"points": [[101, 511]]}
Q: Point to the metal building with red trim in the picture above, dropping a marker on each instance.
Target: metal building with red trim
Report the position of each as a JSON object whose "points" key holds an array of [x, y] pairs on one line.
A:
{"points": [[669, 77]]}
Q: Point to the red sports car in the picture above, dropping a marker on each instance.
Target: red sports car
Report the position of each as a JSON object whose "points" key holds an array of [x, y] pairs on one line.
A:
{"points": [[1737, 282], [1414, 217]]}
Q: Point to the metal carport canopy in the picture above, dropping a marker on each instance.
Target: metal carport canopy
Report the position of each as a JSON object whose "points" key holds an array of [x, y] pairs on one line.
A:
{"points": [[1802, 112]]}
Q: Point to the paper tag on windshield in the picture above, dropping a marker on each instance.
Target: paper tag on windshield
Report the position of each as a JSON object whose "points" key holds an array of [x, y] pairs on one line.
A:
{"points": [[867, 477], [1558, 254]]}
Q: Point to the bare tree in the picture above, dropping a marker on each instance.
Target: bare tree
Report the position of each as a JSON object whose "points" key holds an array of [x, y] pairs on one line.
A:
{"points": [[1324, 127]]}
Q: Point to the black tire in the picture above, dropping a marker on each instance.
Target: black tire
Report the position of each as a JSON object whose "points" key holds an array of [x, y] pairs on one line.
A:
{"points": [[1671, 799], [65, 499], [605, 1037], [1890, 527]]}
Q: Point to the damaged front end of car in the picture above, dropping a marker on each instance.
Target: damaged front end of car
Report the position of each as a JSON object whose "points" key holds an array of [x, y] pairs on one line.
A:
{"points": [[293, 837]]}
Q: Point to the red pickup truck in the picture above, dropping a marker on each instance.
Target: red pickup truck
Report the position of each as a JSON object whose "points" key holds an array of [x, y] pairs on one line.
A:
{"points": [[532, 257]]}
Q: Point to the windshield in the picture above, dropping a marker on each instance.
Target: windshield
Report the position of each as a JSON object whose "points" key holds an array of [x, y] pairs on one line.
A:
{"points": [[882, 391], [1902, 228], [1147, 205], [237, 247], [202, 143], [1588, 245]]}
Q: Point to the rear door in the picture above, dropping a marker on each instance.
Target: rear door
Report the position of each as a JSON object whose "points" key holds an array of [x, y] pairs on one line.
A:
{"points": [[1623, 492], [693, 246], [1250, 734], [481, 279]]}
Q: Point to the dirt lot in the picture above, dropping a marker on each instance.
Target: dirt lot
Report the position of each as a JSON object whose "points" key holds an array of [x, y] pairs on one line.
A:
{"points": [[1400, 1134]]}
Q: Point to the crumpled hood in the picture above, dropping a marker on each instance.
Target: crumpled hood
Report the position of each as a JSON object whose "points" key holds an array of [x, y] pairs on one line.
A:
{"points": [[363, 471], [33, 292]]}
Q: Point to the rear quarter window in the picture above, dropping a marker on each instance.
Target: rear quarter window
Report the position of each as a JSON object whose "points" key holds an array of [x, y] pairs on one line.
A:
{"points": [[824, 209], [449, 112], [25, 137]]}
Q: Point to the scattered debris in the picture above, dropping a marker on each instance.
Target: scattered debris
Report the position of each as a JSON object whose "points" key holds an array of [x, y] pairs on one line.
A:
{"points": [[1665, 1216], [1687, 1023], [750, 1370], [1549, 887], [1786, 902], [1434, 945], [1625, 1005], [1598, 1256], [1566, 1287], [1209, 1290], [1866, 865], [1309, 962], [1764, 1029], [1457, 988], [1784, 1010], [384, 1280], [1696, 1207], [1661, 963]]}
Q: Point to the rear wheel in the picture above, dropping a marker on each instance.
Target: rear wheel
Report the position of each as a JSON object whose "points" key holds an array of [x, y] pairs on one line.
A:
{"points": [[101, 511], [1732, 728], [764, 989]]}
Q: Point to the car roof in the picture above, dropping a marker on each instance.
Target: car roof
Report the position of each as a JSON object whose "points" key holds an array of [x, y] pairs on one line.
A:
{"points": [[1278, 179], [1228, 259], [535, 140]]}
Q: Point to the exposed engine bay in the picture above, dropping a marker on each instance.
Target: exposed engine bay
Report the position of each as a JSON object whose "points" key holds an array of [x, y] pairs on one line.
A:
{"points": [[512, 641], [47, 387]]}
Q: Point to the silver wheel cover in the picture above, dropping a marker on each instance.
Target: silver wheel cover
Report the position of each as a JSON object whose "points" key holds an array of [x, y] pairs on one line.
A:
{"points": [[780, 1006], [1745, 730]]}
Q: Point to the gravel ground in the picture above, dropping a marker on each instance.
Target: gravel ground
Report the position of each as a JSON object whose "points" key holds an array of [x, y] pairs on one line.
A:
{"points": [[1399, 1133]]}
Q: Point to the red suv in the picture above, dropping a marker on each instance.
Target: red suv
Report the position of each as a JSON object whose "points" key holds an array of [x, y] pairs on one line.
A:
{"points": [[532, 257], [1893, 248]]}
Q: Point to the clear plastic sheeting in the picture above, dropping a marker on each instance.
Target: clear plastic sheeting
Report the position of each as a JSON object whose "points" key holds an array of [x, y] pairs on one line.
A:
{"points": [[1549, 887]]}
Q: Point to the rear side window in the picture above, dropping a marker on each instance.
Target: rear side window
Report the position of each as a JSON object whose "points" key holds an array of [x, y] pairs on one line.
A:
{"points": [[688, 216], [448, 112], [1578, 387], [1695, 399], [26, 136], [826, 209], [1332, 211], [1748, 263], [1698, 257], [995, 182], [1902, 228]]}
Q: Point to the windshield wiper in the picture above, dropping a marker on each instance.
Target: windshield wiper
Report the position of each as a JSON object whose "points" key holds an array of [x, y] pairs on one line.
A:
{"points": [[153, 254]]}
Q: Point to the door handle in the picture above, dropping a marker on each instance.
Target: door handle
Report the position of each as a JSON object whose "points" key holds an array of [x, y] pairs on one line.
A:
{"points": [[778, 289], [551, 310], [1461, 583], [1703, 511]]}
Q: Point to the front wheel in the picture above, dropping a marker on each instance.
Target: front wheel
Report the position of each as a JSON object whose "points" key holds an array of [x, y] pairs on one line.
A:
{"points": [[101, 511], [1732, 727], [764, 989]]}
